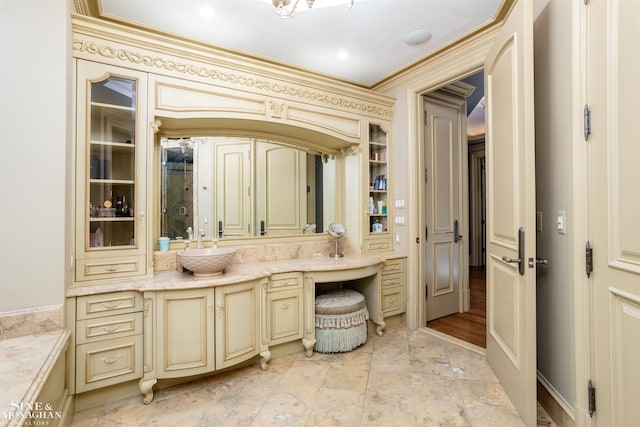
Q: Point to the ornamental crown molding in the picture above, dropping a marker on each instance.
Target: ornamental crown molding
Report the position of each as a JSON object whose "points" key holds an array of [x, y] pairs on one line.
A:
{"points": [[201, 65]]}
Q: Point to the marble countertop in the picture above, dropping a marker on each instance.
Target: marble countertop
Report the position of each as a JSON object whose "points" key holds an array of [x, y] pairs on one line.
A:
{"points": [[235, 273], [25, 365]]}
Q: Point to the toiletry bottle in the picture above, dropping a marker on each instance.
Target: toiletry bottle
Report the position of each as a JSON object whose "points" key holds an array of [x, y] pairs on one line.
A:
{"points": [[98, 239]]}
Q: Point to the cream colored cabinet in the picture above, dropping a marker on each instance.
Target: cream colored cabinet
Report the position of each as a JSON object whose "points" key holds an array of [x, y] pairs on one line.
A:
{"points": [[394, 286], [110, 172], [108, 337], [378, 233], [195, 331], [237, 323], [284, 308], [185, 332]]}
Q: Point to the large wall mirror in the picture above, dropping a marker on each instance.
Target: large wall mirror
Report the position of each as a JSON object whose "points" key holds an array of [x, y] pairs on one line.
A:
{"points": [[233, 187]]}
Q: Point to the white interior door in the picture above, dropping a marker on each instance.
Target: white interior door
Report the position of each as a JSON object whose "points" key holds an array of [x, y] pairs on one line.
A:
{"points": [[510, 154], [442, 211], [614, 206]]}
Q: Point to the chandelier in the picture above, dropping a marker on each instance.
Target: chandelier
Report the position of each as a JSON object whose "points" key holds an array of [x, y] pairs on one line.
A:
{"points": [[287, 8]]}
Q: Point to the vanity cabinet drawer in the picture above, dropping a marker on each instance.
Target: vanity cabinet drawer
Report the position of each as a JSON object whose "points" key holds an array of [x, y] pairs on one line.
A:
{"points": [[378, 245], [393, 266], [285, 281], [106, 268], [389, 280], [104, 363], [92, 306], [101, 328], [392, 300]]}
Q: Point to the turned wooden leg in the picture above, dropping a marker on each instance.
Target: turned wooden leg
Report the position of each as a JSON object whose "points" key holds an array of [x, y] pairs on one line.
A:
{"points": [[266, 356], [308, 345], [379, 327], [146, 388]]}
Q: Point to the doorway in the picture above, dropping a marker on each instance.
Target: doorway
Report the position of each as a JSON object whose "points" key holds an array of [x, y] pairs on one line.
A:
{"points": [[468, 322]]}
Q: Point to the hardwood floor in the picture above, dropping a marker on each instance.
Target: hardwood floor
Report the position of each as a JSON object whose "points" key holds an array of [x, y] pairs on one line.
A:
{"points": [[469, 326]]}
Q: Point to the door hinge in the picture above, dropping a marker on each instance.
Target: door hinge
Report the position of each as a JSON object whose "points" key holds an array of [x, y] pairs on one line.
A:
{"points": [[587, 122], [425, 117], [426, 175], [426, 291], [589, 258], [592, 398], [426, 233], [586, 2]]}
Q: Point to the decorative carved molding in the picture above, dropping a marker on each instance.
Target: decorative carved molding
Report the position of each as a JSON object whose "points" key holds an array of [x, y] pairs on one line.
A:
{"points": [[277, 108], [147, 306], [352, 150], [155, 126], [129, 56]]}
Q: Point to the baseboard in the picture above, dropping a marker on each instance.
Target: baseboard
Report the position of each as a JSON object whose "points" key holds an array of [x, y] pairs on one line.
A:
{"points": [[556, 406]]}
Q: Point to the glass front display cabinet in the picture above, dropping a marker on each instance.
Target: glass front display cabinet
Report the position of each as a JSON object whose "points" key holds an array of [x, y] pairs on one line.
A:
{"points": [[111, 163]]}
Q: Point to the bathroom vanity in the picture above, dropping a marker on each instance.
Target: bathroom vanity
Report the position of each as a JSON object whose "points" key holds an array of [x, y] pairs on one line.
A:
{"points": [[270, 156], [175, 325]]}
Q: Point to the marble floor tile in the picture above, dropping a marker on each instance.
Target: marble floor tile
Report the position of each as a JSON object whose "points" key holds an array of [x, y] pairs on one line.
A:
{"points": [[404, 378]]}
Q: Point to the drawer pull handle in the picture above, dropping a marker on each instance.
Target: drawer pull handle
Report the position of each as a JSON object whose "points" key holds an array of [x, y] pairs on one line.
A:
{"points": [[112, 268], [111, 305], [390, 300], [284, 306], [111, 328], [112, 360]]}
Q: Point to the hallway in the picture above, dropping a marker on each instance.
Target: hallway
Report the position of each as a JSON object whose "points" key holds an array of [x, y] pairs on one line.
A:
{"points": [[404, 378], [469, 326]]}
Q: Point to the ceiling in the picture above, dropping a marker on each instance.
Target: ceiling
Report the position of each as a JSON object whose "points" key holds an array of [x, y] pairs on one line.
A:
{"points": [[363, 44]]}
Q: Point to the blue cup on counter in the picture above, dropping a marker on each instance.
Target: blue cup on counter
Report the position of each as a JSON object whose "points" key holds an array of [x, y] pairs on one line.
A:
{"points": [[164, 243]]}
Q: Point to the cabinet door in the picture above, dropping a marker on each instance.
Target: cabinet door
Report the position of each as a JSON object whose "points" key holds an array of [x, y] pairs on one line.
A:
{"points": [[284, 316], [281, 198], [185, 335], [111, 143], [237, 323]]}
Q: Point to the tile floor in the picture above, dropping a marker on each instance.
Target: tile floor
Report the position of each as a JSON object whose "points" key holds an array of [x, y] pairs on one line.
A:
{"points": [[404, 378]]}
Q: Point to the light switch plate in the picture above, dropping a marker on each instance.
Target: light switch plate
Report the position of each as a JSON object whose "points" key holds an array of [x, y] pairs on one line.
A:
{"points": [[561, 223]]}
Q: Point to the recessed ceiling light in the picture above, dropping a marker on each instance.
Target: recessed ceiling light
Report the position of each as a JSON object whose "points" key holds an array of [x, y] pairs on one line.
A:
{"points": [[343, 55], [417, 37], [206, 12]]}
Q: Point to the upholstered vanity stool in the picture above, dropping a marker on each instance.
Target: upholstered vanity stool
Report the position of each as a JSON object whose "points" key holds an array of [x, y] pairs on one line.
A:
{"points": [[341, 321]]}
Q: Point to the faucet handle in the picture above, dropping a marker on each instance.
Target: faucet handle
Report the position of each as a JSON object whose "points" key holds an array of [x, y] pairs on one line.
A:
{"points": [[202, 233], [186, 244]]}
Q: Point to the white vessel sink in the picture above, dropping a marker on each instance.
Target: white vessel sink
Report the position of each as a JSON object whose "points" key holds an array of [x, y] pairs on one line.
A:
{"points": [[207, 261]]}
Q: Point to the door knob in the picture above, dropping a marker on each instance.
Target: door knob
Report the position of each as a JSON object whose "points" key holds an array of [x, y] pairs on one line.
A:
{"points": [[456, 230], [538, 260], [520, 259]]}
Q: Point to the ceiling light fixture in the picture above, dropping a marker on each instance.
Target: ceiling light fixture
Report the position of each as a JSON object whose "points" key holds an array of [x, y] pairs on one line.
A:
{"points": [[417, 37], [287, 8]]}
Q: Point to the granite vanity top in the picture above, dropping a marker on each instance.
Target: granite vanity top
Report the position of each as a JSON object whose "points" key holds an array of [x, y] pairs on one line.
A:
{"points": [[235, 273]]}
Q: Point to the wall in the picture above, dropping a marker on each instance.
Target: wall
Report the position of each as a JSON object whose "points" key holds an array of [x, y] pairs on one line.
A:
{"points": [[34, 94], [554, 172]]}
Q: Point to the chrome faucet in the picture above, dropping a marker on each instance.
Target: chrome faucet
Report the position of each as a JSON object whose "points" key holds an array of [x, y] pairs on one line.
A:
{"points": [[201, 236]]}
